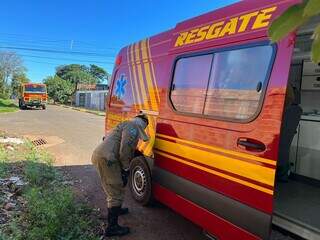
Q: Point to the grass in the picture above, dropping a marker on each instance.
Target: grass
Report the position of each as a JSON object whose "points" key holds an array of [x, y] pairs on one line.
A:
{"points": [[51, 211], [7, 105]]}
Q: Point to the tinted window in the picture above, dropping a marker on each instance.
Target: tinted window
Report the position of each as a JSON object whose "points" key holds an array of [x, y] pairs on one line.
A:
{"points": [[226, 84], [190, 83], [236, 82], [35, 88]]}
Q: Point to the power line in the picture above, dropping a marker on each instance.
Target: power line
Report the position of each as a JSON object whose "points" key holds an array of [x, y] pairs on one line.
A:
{"points": [[56, 51], [49, 63], [46, 39], [60, 46], [65, 59]]}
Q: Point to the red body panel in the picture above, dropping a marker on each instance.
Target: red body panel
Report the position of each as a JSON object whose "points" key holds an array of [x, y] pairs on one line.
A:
{"points": [[148, 67], [212, 223]]}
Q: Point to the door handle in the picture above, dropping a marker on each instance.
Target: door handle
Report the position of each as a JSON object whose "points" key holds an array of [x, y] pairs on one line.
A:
{"points": [[251, 144]]}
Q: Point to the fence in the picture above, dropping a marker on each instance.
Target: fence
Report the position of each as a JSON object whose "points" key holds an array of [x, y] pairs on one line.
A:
{"points": [[95, 99]]}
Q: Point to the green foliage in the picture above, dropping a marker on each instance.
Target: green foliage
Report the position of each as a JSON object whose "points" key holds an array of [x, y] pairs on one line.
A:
{"points": [[50, 210], [7, 105], [10, 64], [76, 77], [4, 92], [292, 19], [316, 45], [17, 80], [16, 232], [77, 73], [3, 163], [312, 8], [289, 21], [38, 169], [69, 76], [59, 89], [99, 73], [63, 71], [53, 214]]}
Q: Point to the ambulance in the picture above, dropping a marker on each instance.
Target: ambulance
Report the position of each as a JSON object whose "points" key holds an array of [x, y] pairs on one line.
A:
{"points": [[214, 89]]}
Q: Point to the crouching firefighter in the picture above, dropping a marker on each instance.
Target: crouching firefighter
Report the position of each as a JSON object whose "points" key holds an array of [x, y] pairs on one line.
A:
{"points": [[111, 159]]}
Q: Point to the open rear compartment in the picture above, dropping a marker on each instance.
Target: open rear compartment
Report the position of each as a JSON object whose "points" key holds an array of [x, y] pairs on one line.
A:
{"points": [[297, 201]]}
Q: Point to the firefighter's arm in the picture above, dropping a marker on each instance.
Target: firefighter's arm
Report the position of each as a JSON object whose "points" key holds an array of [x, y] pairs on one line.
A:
{"points": [[129, 141]]}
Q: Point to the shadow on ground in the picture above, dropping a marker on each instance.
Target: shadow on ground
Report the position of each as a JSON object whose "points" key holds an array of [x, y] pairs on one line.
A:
{"points": [[157, 222]]}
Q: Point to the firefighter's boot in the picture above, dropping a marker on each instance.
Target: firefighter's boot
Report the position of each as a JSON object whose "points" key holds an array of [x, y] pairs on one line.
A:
{"points": [[114, 229], [123, 211]]}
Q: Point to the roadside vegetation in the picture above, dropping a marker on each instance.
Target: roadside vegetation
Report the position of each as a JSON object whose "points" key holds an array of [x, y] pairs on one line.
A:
{"points": [[7, 106], [12, 74], [63, 85], [293, 18], [36, 203]]}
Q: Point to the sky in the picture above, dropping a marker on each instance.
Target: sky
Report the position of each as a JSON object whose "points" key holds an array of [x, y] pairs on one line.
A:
{"points": [[44, 32]]}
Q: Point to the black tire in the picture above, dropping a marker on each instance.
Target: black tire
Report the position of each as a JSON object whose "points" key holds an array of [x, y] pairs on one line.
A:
{"points": [[21, 105], [140, 182], [43, 107]]}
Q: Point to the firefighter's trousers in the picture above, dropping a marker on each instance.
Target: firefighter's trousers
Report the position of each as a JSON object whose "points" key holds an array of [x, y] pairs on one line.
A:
{"points": [[111, 180]]}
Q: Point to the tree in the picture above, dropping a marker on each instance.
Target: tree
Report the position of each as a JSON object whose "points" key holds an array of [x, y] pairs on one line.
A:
{"points": [[292, 19], [76, 77], [59, 89], [10, 64], [76, 74], [17, 80], [64, 71], [69, 76], [99, 73]]}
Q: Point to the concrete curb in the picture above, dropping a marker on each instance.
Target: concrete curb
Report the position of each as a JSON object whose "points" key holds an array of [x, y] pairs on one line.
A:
{"points": [[80, 109]]}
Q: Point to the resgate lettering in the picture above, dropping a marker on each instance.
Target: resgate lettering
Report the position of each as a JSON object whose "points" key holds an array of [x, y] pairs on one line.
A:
{"points": [[251, 21]]}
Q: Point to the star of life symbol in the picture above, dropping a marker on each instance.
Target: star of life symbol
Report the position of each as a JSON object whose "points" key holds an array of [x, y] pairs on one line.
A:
{"points": [[120, 86]]}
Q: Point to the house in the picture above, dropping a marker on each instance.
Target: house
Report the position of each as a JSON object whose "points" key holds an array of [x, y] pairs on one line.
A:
{"points": [[91, 96]]}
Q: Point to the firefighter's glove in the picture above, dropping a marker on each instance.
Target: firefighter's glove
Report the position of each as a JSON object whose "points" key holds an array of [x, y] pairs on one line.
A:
{"points": [[125, 175]]}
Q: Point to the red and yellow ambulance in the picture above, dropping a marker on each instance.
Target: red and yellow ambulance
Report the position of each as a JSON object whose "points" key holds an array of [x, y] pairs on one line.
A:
{"points": [[214, 89], [33, 95]]}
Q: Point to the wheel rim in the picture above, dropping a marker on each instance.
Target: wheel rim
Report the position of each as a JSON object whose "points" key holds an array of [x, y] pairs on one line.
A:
{"points": [[139, 181]]}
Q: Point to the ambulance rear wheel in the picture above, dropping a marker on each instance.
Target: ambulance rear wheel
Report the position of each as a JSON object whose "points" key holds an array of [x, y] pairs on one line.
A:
{"points": [[140, 181]]}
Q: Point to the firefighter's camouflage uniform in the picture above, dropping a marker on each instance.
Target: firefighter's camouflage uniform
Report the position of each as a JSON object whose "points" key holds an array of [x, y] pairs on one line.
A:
{"points": [[114, 154]]}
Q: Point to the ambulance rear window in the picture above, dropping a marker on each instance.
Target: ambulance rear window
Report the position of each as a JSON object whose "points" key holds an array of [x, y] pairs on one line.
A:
{"points": [[225, 85]]}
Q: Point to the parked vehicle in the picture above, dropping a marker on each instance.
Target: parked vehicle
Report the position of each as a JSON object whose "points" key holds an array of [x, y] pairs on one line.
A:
{"points": [[214, 89], [33, 95]]}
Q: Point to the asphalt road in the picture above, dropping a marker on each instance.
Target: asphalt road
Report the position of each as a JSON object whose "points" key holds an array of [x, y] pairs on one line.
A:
{"points": [[71, 136]]}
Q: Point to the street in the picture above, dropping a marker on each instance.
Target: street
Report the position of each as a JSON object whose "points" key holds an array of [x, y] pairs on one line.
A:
{"points": [[71, 136]]}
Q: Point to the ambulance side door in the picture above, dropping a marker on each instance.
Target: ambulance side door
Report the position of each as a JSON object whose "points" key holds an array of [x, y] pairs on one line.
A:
{"points": [[218, 136]]}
